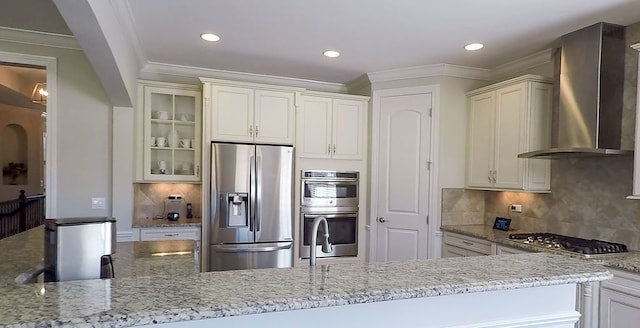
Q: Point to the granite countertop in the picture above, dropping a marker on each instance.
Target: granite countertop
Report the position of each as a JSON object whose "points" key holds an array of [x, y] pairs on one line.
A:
{"points": [[145, 300], [624, 261], [163, 222], [23, 257]]}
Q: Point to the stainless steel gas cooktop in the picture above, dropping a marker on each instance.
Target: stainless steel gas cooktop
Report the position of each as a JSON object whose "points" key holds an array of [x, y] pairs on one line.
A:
{"points": [[586, 247]]}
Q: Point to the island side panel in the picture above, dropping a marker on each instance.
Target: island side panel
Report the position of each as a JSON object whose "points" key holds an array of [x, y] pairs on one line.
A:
{"points": [[546, 306]]}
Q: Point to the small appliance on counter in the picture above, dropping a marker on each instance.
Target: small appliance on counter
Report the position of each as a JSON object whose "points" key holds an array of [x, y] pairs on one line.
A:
{"points": [[174, 207], [79, 248]]}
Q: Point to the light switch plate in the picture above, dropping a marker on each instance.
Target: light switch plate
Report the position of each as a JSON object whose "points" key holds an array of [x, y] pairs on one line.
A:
{"points": [[98, 203]]}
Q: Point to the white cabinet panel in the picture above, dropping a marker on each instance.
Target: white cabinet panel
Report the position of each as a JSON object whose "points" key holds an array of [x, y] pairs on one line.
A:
{"points": [[232, 117], [507, 119], [250, 114], [314, 128], [330, 127], [502, 250], [274, 116], [177, 233], [454, 244], [480, 159], [620, 300], [348, 129], [509, 136]]}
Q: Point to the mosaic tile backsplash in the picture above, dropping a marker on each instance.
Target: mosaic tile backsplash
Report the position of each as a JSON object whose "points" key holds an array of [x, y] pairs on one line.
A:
{"points": [[149, 198]]}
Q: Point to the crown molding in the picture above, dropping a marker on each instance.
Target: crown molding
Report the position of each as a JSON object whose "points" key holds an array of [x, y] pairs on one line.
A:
{"points": [[358, 84], [524, 63], [429, 71], [153, 69], [38, 38]]}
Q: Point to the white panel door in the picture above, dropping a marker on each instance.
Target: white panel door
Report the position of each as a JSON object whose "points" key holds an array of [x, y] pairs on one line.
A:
{"points": [[403, 177], [480, 141], [274, 117], [509, 139], [348, 126], [232, 114], [313, 138]]}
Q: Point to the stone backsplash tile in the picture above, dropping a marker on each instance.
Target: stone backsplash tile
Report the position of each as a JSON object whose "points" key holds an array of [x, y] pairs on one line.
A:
{"points": [[588, 200], [460, 206], [149, 198]]}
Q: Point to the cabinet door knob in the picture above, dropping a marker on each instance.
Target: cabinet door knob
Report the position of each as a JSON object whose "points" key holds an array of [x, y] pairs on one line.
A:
{"points": [[329, 149], [251, 130], [334, 149], [382, 220], [256, 130]]}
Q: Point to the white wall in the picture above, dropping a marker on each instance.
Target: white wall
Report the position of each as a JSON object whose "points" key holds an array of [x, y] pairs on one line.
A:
{"points": [[84, 161]]}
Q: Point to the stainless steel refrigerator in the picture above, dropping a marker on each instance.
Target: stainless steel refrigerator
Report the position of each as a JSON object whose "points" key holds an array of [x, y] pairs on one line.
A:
{"points": [[251, 224]]}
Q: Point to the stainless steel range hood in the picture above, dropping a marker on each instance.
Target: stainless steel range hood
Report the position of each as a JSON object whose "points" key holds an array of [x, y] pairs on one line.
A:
{"points": [[587, 118]]}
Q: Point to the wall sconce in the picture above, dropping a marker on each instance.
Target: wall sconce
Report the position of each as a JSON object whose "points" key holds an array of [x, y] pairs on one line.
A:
{"points": [[39, 94]]}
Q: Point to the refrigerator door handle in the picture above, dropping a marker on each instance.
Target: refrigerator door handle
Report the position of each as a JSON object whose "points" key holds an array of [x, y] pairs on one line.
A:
{"points": [[250, 249], [258, 186], [252, 191]]}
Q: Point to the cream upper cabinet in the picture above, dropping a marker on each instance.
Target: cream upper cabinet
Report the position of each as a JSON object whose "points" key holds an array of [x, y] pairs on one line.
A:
{"points": [[232, 110], [331, 126], [507, 119], [250, 114], [274, 117], [168, 132]]}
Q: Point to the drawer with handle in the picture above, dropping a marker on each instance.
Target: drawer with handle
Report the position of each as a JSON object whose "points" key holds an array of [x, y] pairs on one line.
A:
{"points": [[186, 233], [470, 243]]}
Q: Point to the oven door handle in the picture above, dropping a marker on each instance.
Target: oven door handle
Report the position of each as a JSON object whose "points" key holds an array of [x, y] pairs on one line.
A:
{"points": [[332, 182], [329, 216]]}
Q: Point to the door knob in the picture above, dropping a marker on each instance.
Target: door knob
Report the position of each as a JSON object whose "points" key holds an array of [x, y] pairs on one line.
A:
{"points": [[382, 220]]}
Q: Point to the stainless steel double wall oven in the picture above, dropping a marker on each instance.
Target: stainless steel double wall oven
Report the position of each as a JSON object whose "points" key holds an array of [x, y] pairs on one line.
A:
{"points": [[334, 195]]}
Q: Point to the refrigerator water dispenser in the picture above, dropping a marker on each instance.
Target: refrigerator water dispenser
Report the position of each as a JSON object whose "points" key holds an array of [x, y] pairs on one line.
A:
{"points": [[237, 209]]}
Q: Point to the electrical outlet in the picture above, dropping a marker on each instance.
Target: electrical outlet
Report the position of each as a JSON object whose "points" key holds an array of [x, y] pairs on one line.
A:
{"points": [[98, 203], [516, 208]]}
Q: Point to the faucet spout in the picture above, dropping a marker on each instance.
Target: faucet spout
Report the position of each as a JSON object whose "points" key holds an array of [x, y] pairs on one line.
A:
{"points": [[326, 245]]}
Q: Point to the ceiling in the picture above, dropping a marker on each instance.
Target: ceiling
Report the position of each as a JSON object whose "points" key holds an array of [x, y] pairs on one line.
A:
{"points": [[287, 37]]}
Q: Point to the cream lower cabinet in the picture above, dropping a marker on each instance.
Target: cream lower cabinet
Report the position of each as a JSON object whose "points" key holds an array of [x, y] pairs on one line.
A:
{"points": [[504, 250], [167, 233], [507, 119], [168, 132], [247, 112], [456, 245], [620, 301], [331, 126]]}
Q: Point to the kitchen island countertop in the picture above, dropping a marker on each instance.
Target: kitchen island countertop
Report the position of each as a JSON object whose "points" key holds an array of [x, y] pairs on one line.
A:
{"points": [[629, 261], [141, 300]]}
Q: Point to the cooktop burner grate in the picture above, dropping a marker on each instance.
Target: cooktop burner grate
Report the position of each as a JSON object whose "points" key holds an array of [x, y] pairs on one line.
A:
{"points": [[572, 244]]}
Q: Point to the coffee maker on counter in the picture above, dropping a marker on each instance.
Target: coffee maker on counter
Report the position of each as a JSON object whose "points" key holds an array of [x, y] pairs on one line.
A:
{"points": [[79, 248]]}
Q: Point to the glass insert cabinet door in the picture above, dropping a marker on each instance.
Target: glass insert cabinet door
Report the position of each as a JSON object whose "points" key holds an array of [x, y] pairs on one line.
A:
{"points": [[172, 134]]}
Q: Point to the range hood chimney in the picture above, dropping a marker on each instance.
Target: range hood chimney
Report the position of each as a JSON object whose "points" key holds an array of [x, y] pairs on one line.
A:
{"points": [[588, 118]]}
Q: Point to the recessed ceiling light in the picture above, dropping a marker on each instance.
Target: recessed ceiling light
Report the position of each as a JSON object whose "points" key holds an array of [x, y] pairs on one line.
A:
{"points": [[331, 53], [209, 37], [474, 46]]}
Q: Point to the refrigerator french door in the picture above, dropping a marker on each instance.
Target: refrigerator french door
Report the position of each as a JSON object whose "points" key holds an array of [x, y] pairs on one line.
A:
{"points": [[251, 224]]}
